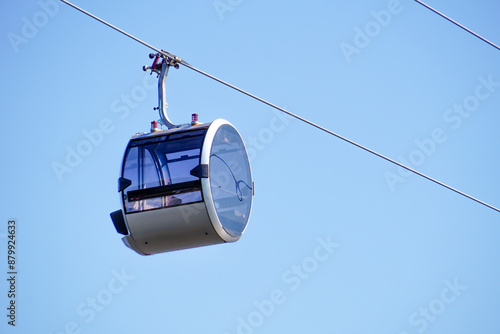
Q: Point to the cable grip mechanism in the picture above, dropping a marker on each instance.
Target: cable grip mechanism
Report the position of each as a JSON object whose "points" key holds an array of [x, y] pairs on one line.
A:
{"points": [[160, 66]]}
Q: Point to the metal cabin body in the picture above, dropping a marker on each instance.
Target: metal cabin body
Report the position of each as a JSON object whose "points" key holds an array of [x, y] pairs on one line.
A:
{"points": [[183, 188]]}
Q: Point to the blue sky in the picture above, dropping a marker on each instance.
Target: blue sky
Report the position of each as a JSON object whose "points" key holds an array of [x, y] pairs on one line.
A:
{"points": [[339, 241]]}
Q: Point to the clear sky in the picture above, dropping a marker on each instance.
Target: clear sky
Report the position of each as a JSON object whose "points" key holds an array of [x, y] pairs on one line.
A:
{"points": [[339, 241]]}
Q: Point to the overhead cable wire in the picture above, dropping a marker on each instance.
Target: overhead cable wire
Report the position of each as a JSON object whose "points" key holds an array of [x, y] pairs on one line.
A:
{"points": [[120, 31], [459, 25], [180, 61]]}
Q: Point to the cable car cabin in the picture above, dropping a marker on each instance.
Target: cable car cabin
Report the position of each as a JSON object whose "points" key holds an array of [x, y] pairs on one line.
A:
{"points": [[184, 188]]}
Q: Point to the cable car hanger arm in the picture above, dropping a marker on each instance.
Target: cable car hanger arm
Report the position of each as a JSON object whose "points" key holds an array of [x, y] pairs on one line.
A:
{"points": [[162, 100], [169, 60], [171, 57]]}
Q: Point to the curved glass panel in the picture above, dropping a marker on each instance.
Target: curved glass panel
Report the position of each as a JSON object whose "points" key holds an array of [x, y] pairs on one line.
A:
{"points": [[159, 170], [230, 180], [141, 170]]}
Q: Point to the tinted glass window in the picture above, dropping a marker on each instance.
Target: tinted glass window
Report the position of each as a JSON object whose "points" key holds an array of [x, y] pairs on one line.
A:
{"points": [[159, 162], [230, 180]]}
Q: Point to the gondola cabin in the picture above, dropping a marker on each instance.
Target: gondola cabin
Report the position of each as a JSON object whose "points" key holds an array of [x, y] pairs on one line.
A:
{"points": [[183, 188]]}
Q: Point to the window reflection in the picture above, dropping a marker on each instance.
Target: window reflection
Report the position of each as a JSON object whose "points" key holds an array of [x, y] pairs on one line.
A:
{"points": [[230, 180], [159, 162]]}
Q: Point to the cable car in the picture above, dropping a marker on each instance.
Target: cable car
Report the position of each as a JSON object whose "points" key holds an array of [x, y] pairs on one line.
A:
{"points": [[185, 187]]}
